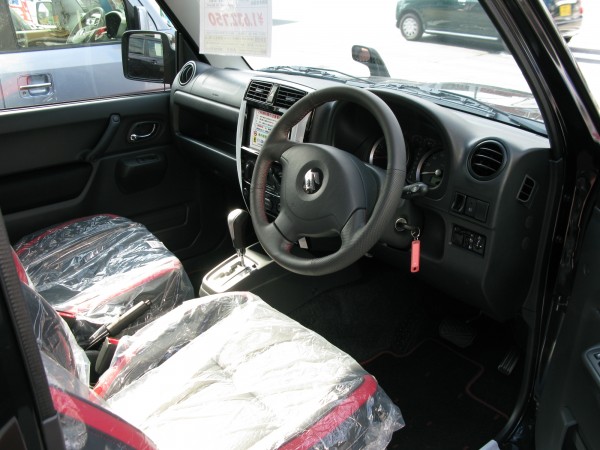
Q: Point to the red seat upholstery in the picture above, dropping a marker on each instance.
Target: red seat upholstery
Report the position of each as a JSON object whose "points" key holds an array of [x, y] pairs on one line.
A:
{"points": [[224, 371], [95, 268], [219, 372], [238, 373]]}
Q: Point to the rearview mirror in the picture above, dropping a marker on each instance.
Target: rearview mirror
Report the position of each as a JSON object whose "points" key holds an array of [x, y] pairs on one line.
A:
{"points": [[148, 56]]}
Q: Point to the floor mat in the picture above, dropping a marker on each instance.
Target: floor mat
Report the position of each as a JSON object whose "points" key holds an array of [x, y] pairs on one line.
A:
{"points": [[435, 374], [381, 311]]}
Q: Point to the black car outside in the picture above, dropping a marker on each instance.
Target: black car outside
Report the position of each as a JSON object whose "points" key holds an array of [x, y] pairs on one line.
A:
{"points": [[466, 18]]}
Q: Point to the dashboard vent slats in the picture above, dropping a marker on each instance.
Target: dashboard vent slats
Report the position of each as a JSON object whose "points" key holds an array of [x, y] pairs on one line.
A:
{"points": [[187, 73], [527, 190], [487, 160], [258, 91], [287, 96]]}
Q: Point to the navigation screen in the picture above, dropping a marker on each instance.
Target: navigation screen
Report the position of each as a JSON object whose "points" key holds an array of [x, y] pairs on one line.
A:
{"points": [[262, 124]]}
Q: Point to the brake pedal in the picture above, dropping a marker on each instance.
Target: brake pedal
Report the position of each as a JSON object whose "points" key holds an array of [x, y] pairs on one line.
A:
{"points": [[460, 333], [507, 365]]}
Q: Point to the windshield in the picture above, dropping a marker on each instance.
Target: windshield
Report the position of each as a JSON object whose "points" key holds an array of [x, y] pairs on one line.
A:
{"points": [[439, 45]]}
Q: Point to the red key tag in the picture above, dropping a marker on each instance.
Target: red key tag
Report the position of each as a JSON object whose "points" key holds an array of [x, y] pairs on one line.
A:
{"points": [[415, 253]]}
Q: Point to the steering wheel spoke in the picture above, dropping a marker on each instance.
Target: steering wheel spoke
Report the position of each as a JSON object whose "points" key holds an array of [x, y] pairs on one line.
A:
{"points": [[286, 226], [355, 223], [275, 236]]}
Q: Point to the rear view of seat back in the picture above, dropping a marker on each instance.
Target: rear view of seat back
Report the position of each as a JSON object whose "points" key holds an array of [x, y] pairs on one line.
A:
{"points": [[94, 269]]}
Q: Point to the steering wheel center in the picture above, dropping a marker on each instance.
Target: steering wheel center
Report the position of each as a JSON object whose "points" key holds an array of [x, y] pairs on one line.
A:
{"points": [[313, 180]]}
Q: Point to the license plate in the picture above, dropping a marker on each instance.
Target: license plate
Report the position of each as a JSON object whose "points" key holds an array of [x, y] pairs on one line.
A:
{"points": [[564, 10]]}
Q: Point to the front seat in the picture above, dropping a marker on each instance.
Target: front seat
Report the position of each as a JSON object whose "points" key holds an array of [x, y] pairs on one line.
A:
{"points": [[237, 374], [94, 269], [219, 372]]}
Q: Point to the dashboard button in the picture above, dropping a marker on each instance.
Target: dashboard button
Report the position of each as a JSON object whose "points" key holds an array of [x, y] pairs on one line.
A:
{"points": [[470, 207], [481, 210]]}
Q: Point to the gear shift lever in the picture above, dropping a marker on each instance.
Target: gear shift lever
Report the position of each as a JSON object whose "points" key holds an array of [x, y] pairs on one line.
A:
{"points": [[236, 221]]}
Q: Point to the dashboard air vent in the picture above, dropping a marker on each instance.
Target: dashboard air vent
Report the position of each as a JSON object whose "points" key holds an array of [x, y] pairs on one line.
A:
{"points": [[287, 96], [487, 159], [187, 73], [258, 91], [527, 190]]}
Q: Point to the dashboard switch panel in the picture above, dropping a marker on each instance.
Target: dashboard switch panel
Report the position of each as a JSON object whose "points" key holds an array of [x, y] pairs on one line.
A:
{"points": [[469, 240], [470, 207]]}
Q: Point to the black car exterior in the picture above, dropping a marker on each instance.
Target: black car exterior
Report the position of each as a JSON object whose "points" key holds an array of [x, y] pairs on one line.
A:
{"points": [[466, 18]]}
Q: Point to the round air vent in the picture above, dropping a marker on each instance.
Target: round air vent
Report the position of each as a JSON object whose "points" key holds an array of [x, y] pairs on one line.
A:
{"points": [[487, 159], [187, 73]]}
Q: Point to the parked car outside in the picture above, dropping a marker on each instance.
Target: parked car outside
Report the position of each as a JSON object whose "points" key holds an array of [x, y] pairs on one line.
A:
{"points": [[44, 46], [466, 18]]}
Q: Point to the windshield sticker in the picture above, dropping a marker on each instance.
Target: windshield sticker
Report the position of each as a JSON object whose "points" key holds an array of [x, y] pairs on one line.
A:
{"points": [[235, 27]]}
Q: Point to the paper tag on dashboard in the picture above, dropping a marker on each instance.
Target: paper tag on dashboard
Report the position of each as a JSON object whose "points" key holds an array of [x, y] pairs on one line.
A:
{"points": [[239, 28]]}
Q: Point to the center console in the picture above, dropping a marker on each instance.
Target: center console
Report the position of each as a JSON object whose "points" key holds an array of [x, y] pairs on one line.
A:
{"points": [[264, 103]]}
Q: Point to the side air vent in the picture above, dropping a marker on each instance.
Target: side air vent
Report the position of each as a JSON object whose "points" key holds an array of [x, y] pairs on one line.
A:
{"points": [[187, 73], [527, 190], [258, 91], [487, 159], [287, 96]]}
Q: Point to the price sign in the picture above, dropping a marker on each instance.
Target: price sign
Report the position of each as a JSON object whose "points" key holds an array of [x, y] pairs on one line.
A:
{"points": [[235, 27]]}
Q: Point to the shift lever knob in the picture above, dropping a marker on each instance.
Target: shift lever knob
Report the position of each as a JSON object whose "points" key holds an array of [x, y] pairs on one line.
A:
{"points": [[236, 221]]}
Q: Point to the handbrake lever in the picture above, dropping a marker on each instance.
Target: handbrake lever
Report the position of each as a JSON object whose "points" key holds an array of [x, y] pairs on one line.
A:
{"points": [[118, 325]]}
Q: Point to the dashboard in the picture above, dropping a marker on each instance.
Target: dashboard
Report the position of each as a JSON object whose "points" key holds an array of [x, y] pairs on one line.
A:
{"points": [[426, 153], [486, 181]]}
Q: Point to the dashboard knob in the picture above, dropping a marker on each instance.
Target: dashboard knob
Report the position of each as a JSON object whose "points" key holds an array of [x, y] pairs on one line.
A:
{"points": [[248, 170]]}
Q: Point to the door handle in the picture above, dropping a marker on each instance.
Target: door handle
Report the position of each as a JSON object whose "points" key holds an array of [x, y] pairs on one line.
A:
{"points": [[142, 131], [35, 86], [38, 85]]}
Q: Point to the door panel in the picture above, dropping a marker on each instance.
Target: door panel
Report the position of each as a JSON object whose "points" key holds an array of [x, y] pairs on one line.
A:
{"points": [[72, 160], [569, 407]]}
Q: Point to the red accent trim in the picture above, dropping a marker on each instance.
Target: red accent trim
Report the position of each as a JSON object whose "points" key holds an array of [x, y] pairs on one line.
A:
{"points": [[20, 269], [138, 283], [113, 341], [335, 417], [96, 417], [110, 375], [67, 315], [49, 231]]}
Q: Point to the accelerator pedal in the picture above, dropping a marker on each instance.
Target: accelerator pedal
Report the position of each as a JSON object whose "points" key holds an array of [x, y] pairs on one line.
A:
{"points": [[507, 365]]}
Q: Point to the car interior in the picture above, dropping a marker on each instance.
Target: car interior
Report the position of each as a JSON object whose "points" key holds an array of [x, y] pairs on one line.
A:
{"points": [[367, 263]]}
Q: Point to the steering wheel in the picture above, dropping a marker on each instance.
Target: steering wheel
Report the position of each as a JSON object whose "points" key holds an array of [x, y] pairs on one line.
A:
{"points": [[327, 191], [83, 32]]}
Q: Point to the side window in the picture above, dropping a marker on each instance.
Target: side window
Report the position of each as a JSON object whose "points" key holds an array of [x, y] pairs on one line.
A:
{"points": [[57, 51]]}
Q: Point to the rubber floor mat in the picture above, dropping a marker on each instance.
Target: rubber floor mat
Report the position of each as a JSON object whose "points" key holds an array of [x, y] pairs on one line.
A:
{"points": [[432, 386]]}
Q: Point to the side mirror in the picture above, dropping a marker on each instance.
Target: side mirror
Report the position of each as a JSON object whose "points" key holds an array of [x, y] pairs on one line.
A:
{"points": [[370, 58], [148, 56]]}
